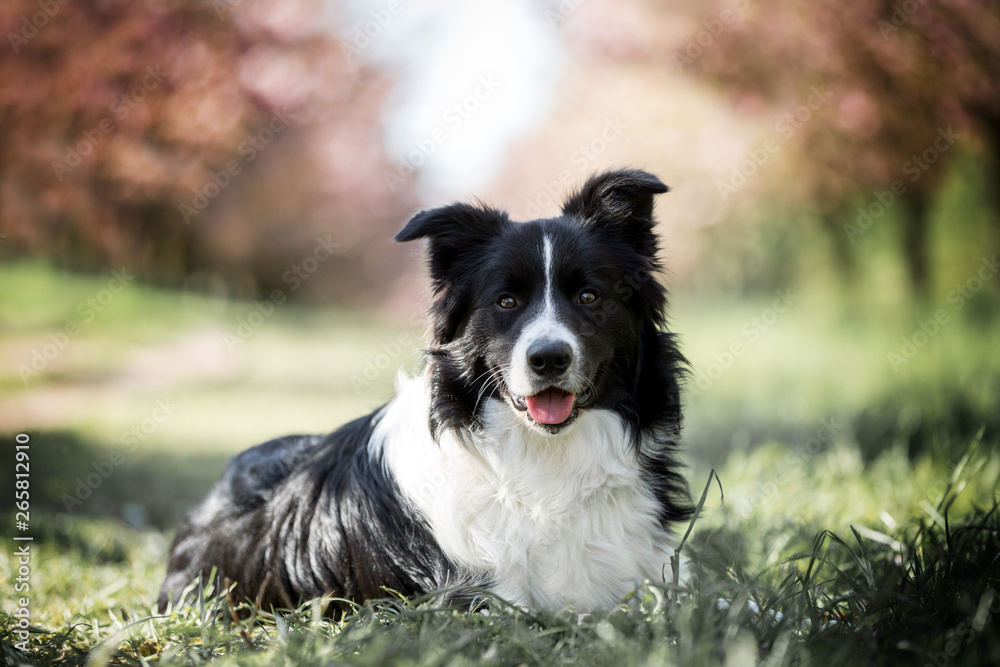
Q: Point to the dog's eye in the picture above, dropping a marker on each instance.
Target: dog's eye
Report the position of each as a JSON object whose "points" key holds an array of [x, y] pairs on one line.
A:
{"points": [[587, 297], [507, 301]]}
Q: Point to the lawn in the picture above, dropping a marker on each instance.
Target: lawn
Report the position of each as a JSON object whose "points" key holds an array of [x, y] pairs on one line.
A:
{"points": [[857, 524]]}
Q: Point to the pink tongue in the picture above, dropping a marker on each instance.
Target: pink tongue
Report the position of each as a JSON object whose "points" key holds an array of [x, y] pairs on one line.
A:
{"points": [[551, 406]]}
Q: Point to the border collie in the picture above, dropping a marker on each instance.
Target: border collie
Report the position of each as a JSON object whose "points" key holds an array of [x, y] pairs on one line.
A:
{"points": [[533, 456]]}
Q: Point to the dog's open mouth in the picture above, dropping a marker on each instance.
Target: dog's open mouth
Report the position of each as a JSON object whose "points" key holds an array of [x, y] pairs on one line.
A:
{"points": [[552, 406]]}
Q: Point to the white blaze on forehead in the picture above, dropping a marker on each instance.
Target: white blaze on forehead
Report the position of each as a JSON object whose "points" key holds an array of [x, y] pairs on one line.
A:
{"points": [[547, 253], [546, 326]]}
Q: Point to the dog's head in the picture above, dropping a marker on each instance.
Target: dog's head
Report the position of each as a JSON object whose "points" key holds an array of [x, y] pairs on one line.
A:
{"points": [[548, 315]]}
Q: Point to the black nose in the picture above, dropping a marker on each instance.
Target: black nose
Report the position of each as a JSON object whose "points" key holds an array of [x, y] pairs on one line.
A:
{"points": [[549, 358]]}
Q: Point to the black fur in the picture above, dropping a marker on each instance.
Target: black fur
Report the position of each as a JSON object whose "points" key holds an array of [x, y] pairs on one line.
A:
{"points": [[306, 516]]}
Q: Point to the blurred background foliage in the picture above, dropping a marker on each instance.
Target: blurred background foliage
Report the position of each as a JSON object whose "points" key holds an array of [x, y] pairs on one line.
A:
{"points": [[249, 160], [122, 118]]}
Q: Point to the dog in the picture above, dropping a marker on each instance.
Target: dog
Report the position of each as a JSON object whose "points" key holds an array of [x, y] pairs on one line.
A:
{"points": [[534, 456]]}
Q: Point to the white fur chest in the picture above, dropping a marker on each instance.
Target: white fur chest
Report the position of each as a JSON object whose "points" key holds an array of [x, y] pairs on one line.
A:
{"points": [[554, 520]]}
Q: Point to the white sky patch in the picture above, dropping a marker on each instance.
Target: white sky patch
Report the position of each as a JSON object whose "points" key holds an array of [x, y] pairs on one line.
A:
{"points": [[472, 77]]}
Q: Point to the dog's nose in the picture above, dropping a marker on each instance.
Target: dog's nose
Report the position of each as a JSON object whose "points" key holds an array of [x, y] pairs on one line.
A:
{"points": [[549, 358]]}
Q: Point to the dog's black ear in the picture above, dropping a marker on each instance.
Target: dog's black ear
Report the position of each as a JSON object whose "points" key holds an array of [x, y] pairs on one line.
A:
{"points": [[621, 200], [452, 231], [453, 224], [455, 233]]}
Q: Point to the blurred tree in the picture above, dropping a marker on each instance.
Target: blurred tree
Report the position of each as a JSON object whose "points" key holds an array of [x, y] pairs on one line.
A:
{"points": [[216, 140], [878, 93]]}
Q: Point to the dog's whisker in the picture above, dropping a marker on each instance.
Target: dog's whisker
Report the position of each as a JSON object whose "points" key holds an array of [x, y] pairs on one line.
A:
{"points": [[486, 385]]}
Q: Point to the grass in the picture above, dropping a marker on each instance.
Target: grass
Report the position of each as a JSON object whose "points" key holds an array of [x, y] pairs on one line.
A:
{"points": [[859, 524], [765, 588]]}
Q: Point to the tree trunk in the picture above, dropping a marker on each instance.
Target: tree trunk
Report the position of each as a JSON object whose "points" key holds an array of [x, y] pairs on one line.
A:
{"points": [[993, 132], [844, 257], [915, 241], [989, 123]]}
